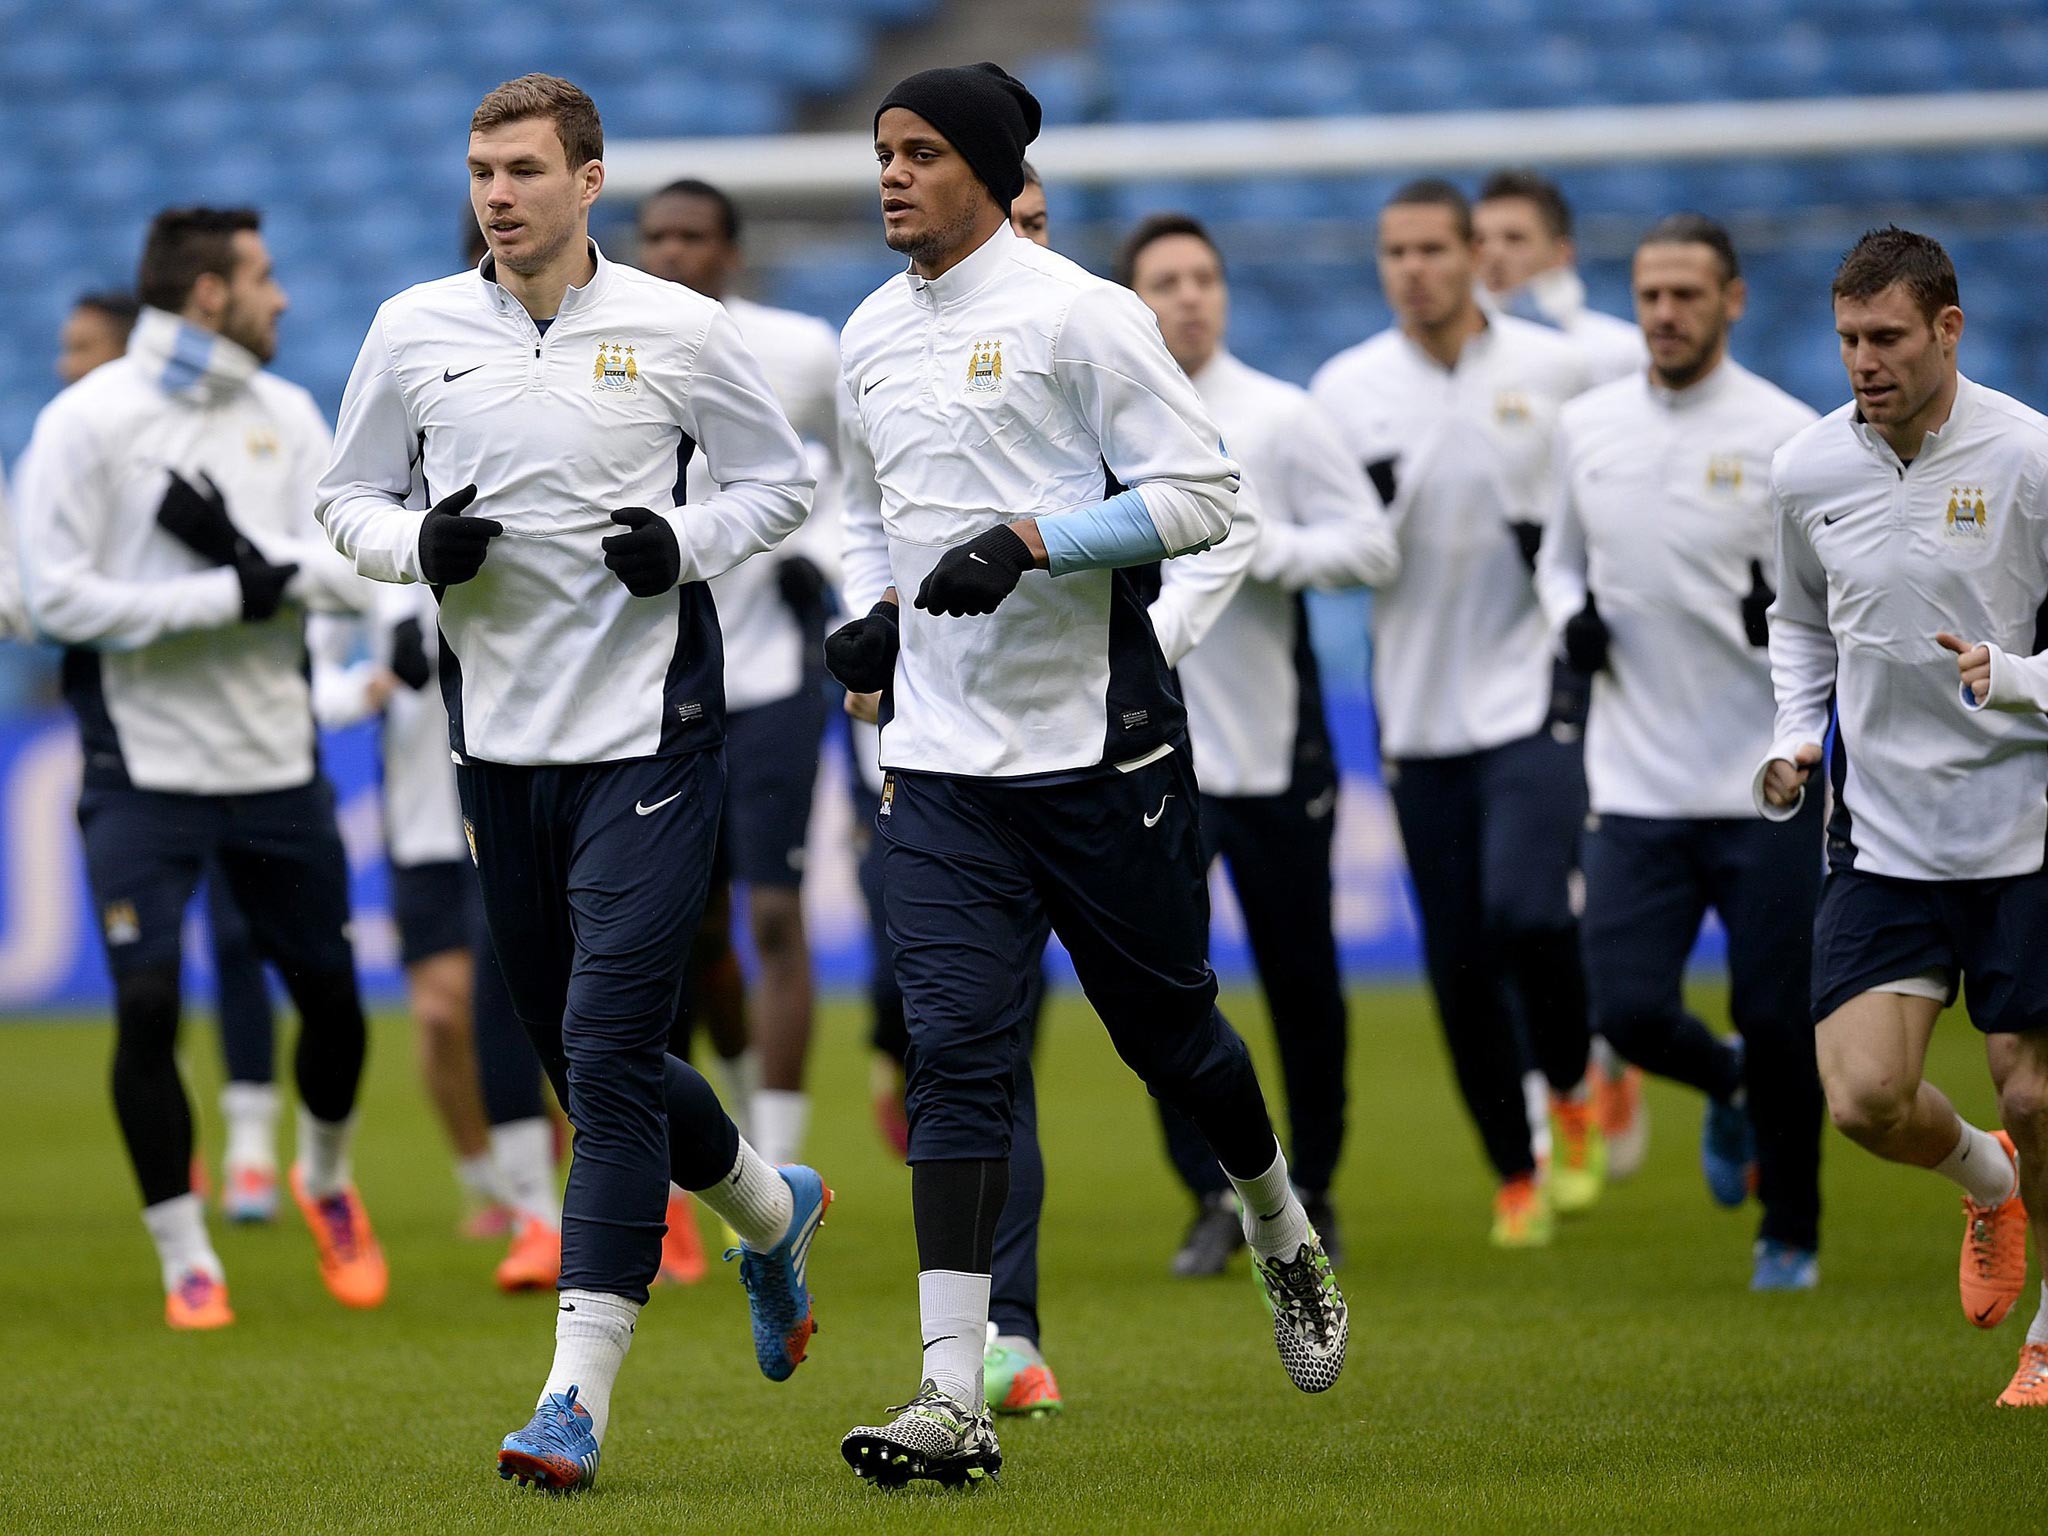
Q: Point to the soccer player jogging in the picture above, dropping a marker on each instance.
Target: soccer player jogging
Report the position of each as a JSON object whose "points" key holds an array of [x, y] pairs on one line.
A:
{"points": [[1452, 413], [1653, 576], [563, 395], [168, 542], [1035, 742], [476, 1063], [772, 613], [1255, 716], [1920, 510]]}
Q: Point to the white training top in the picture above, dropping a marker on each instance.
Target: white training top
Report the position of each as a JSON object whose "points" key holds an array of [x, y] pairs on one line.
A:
{"points": [[1018, 384], [1875, 558], [172, 690], [1665, 503], [1251, 684], [556, 662], [1612, 347], [422, 811], [764, 644], [1461, 653]]}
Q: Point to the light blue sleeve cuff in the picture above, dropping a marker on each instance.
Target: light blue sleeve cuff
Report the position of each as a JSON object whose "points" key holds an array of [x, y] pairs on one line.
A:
{"points": [[1104, 536]]}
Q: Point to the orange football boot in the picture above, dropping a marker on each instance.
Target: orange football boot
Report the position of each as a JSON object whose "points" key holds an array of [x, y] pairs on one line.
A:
{"points": [[351, 1264], [1522, 1216], [2029, 1388], [1624, 1118], [1994, 1264], [534, 1261], [682, 1248], [199, 1302]]}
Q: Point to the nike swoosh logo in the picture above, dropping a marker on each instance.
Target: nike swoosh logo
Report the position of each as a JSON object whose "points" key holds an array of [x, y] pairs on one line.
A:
{"points": [[928, 1343], [871, 383], [1829, 522], [977, 559], [450, 378], [649, 810], [1153, 819], [1271, 1215], [1981, 1316], [567, 1306]]}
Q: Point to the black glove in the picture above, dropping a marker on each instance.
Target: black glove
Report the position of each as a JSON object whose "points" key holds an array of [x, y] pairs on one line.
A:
{"points": [[1528, 539], [1756, 606], [452, 547], [976, 576], [409, 662], [198, 519], [1585, 639], [862, 655], [800, 585], [646, 558]]}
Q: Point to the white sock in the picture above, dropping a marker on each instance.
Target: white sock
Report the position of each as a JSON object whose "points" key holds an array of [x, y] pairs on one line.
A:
{"points": [[250, 1110], [1536, 1104], [323, 1153], [592, 1334], [178, 1228], [2037, 1331], [1275, 1225], [753, 1200], [740, 1078], [779, 1118], [478, 1179], [952, 1308], [1980, 1165], [524, 1153]]}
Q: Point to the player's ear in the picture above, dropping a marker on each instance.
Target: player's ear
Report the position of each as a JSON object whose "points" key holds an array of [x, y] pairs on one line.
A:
{"points": [[1948, 325], [1734, 299], [592, 172]]}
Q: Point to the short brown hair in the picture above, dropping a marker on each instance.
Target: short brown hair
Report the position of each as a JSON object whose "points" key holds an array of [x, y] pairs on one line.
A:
{"points": [[1157, 227], [1435, 192], [1696, 229], [1532, 188], [1894, 255], [184, 243], [573, 113]]}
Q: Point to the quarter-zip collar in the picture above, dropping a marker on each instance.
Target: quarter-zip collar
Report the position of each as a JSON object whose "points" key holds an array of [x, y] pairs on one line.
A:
{"points": [[1949, 431], [573, 299], [967, 276], [188, 361], [1701, 392], [1473, 351]]}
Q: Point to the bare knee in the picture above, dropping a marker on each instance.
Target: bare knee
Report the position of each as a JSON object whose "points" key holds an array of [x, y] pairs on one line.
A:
{"points": [[1869, 1107], [777, 919]]}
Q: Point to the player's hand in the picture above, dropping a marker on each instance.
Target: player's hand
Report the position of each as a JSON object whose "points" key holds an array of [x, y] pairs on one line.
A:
{"points": [[263, 586], [378, 690], [975, 577], [452, 547], [409, 662], [1783, 780], [1972, 661], [1756, 606], [198, 519], [862, 655], [1586, 639], [1528, 539], [646, 557], [865, 707], [800, 585]]}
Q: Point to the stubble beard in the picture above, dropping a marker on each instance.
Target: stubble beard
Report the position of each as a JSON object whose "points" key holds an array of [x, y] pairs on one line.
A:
{"points": [[930, 246]]}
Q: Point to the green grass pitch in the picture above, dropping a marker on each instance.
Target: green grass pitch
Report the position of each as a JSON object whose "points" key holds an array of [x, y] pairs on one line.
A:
{"points": [[1622, 1381]]}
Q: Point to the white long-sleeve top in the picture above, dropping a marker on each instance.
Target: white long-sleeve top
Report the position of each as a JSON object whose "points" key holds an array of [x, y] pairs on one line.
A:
{"points": [[764, 644], [1664, 505], [422, 811], [555, 661], [1250, 683], [1875, 558], [1018, 384], [1461, 653], [1612, 347], [172, 690]]}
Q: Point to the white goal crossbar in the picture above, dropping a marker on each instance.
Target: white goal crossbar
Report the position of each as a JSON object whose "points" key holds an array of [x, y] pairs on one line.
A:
{"points": [[819, 164]]}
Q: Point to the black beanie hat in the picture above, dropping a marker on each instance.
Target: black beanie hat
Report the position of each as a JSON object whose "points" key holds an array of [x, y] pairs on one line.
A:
{"points": [[983, 111]]}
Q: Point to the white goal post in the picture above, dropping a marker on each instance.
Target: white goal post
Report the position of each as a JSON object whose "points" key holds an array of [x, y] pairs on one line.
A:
{"points": [[830, 164]]}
